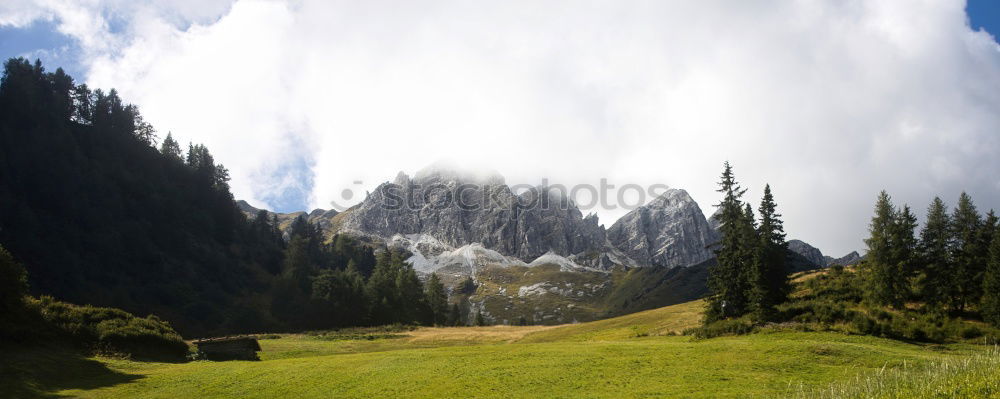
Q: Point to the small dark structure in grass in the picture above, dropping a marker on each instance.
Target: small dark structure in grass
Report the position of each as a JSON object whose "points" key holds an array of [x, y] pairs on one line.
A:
{"points": [[228, 348]]}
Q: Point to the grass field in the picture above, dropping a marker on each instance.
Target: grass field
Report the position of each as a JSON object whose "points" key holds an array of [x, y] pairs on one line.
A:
{"points": [[631, 356]]}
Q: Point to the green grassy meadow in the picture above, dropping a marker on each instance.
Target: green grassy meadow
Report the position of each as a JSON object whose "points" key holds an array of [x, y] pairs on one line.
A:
{"points": [[637, 355]]}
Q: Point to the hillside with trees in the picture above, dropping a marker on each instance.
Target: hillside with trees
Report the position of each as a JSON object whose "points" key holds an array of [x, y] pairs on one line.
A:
{"points": [[101, 211], [940, 285]]}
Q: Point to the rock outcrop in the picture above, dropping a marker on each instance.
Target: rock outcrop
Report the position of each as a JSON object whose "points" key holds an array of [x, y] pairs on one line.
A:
{"points": [[808, 252], [669, 231], [458, 210], [847, 260]]}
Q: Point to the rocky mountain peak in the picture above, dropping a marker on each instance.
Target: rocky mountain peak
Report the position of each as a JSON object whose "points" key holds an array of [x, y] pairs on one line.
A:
{"points": [[672, 198], [847, 260], [809, 252], [485, 211], [669, 231], [442, 172]]}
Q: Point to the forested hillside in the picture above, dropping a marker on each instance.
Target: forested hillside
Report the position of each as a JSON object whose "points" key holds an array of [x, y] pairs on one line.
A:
{"points": [[99, 216], [101, 213], [941, 285]]}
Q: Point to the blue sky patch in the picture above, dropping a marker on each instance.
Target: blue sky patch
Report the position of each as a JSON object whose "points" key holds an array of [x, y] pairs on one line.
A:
{"points": [[43, 41], [984, 14]]}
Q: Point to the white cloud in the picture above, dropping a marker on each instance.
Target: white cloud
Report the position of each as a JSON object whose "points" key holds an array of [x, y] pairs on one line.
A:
{"points": [[829, 101]]}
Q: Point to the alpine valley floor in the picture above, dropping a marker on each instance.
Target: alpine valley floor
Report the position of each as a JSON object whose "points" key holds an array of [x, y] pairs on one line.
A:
{"points": [[638, 355]]}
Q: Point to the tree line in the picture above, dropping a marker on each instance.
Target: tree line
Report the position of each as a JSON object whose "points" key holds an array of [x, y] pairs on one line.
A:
{"points": [[346, 283], [950, 269]]}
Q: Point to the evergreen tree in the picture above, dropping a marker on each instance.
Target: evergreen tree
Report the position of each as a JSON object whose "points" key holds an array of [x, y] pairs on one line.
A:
{"points": [[170, 147], [437, 299], [83, 112], [395, 292], [884, 274], [904, 252], [989, 228], [467, 286], [340, 296], [727, 281], [769, 278], [991, 284], [143, 130], [480, 321], [968, 254], [935, 260], [454, 316]]}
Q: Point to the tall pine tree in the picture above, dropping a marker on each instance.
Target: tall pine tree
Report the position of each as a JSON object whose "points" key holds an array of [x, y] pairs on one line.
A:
{"points": [[886, 281], [769, 278], [968, 254], [170, 147], [726, 280], [935, 259], [437, 299], [904, 245]]}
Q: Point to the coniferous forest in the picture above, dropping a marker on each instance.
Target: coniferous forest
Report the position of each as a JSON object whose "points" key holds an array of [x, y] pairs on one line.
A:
{"points": [[102, 210], [912, 285]]}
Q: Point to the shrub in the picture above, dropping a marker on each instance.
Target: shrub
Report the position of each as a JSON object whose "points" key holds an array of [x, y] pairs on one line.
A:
{"points": [[110, 330], [721, 327], [970, 332], [864, 324]]}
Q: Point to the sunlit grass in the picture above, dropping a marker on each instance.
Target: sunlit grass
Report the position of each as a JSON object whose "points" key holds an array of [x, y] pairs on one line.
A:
{"points": [[630, 356], [976, 376]]}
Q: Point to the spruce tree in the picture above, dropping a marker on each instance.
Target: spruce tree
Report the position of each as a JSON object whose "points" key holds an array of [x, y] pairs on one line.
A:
{"points": [[883, 266], [727, 278], [750, 251], [968, 254], [437, 299], [480, 321], [991, 283], [935, 259], [904, 253], [454, 316], [170, 147], [770, 278]]}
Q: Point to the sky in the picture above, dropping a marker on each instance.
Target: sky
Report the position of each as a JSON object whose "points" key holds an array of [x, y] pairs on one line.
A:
{"points": [[310, 103]]}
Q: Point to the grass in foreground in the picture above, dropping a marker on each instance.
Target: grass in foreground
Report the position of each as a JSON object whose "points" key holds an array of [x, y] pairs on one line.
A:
{"points": [[973, 377], [630, 356]]}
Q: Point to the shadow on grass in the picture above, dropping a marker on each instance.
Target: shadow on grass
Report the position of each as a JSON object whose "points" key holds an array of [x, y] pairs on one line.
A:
{"points": [[41, 372]]}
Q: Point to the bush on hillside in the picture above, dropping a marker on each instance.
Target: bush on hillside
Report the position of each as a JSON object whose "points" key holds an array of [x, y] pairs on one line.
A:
{"points": [[13, 285], [721, 328], [833, 300], [107, 330]]}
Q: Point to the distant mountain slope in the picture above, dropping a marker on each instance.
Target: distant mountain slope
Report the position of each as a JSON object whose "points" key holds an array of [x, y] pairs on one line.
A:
{"points": [[808, 252], [852, 258], [320, 217]]}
